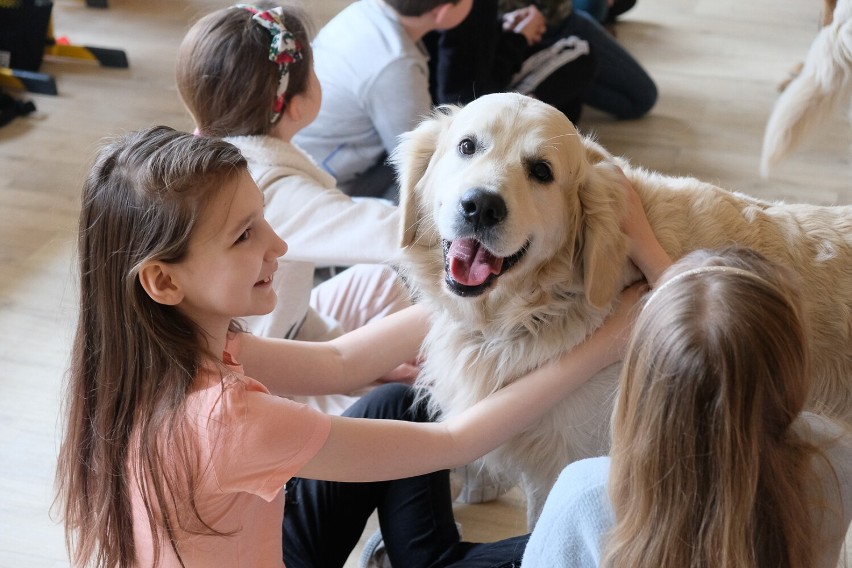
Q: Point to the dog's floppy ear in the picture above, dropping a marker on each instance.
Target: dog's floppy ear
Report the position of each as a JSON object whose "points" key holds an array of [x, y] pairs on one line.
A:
{"points": [[411, 158], [604, 243]]}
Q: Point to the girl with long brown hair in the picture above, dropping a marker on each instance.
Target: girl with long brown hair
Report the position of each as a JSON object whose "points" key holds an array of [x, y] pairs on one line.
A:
{"points": [[177, 446], [714, 464]]}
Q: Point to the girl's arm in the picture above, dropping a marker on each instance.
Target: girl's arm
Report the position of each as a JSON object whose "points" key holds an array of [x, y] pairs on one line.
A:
{"points": [[341, 365], [370, 450], [645, 250]]}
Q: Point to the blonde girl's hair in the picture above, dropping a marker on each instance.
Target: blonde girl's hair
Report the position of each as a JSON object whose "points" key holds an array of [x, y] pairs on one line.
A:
{"points": [[225, 77], [706, 472], [133, 359]]}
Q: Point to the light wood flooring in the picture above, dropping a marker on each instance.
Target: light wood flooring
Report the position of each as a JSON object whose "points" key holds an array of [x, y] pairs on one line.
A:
{"points": [[716, 62]]}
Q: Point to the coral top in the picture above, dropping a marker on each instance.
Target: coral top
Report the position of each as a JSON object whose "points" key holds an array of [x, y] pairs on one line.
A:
{"points": [[250, 443]]}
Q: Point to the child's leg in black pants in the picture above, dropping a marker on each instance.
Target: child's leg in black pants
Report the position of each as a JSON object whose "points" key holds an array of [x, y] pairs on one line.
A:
{"points": [[323, 520]]}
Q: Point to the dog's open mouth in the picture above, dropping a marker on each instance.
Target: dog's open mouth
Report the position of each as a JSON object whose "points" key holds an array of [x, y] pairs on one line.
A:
{"points": [[471, 268]]}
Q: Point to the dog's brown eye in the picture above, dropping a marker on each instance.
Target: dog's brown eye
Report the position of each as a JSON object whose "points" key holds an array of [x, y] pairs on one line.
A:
{"points": [[541, 171], [467, 147]]}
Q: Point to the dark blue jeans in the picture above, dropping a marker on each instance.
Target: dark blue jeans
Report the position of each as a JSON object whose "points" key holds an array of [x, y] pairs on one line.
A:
{"points": [[601, 11], [621, 87], [323, 520]]}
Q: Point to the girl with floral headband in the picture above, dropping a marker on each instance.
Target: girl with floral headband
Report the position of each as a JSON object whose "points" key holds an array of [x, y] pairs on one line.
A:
{"points": [[713, 462], [245, 74], [177, 443]]}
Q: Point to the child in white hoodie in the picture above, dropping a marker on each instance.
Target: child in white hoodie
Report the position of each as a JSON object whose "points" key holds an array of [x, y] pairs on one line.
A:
{"points": [[235, 87]]}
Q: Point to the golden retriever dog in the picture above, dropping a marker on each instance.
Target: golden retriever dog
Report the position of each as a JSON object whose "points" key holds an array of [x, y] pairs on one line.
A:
{"points": [[511, 236], [816, 92]]}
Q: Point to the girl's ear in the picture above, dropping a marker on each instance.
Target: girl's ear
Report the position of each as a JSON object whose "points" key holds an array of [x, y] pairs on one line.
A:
{"points": [[156, 279], [293, 108], [439, 13]]}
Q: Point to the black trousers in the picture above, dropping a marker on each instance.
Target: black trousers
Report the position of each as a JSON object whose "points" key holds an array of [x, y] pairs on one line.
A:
{"points": [[323, 520]]}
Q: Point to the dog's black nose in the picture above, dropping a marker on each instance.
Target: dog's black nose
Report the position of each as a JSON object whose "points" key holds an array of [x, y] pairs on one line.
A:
{"points": [[482, 208]]}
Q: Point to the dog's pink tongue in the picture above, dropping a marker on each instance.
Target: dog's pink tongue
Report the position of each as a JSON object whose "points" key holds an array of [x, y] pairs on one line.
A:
{"points": [[470, 263]]}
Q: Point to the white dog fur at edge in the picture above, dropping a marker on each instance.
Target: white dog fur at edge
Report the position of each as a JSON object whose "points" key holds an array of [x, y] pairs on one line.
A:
{"points": [[511, 237], [823, 86]]}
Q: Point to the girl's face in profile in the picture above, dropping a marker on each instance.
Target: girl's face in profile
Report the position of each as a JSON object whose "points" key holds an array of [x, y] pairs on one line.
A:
{"points": [[233, 255]]}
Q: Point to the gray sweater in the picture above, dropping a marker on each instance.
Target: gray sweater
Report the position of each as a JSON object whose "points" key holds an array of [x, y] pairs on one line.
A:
{"points": [[375, 83], [578, 512]]}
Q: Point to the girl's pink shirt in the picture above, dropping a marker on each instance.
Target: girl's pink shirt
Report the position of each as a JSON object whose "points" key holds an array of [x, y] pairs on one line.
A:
{"points": [[251, 442]]}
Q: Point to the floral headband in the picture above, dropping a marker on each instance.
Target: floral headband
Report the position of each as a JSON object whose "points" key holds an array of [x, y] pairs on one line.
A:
{"points": [[283, 50]]}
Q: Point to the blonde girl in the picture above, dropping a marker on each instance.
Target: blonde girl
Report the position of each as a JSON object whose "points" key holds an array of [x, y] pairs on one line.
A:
{"points": [[714, 463], [177, 448]]}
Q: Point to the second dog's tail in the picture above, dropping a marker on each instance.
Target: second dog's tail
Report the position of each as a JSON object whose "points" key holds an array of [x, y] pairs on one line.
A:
{"points": [[824, 83]]}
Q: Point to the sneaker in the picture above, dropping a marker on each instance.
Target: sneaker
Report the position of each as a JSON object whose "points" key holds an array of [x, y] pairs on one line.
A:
{"points": [[374, 554], [472, 484]]}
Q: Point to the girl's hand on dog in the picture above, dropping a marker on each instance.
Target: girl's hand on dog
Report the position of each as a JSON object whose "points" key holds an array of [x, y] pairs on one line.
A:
{"points": [[405, 373], [620, 322], [644, 249]]}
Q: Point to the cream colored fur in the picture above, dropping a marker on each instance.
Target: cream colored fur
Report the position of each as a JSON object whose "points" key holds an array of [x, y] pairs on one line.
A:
{"points": [[823, 85], [576, 264]]}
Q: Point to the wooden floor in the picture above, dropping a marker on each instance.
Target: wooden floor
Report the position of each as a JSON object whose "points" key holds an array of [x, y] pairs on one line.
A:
{"points": [[716, 62]]}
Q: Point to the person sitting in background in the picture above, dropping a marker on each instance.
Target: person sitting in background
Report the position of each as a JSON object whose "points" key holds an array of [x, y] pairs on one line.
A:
{"points": [[575, 61], [375, 76], [489, 54], [604, 11]]}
